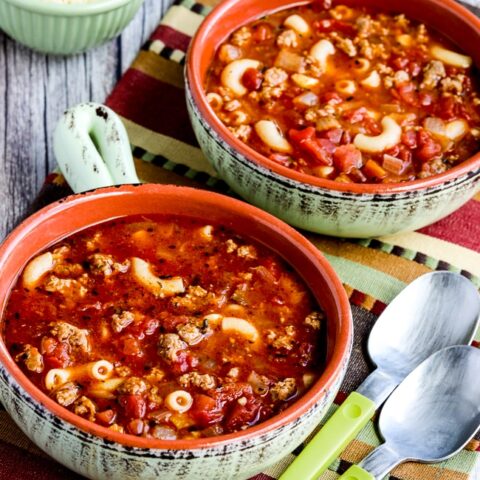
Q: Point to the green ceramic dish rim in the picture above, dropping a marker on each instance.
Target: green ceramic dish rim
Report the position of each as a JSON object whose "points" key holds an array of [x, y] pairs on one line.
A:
{"points": [[50, 7]]}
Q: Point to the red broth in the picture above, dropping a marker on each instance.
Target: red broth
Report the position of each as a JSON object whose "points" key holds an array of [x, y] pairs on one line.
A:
{"points": [[198, 331], [321, 99]]}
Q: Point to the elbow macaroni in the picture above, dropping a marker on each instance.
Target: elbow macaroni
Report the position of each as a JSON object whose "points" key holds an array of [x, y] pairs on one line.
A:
{"points": [[451, 58], [361, 65], [99, 370], [271, 135], [179, 401], [389, 137], [105, 389], [240, 326], [297, 23], [159, 287], [321, 51], [36, 269], [304, 81], [232, 75]]}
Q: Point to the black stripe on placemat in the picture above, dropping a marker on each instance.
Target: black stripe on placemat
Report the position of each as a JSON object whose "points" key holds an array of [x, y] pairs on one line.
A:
{"points": [[166, 52], [418, 257], [180, 169]]}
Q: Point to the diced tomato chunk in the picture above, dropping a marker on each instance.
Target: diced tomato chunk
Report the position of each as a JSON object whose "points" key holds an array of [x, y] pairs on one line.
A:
{"points": [[135, 427], [56, 354], [406, 92], [252, 79], [299, 136], [107, 417], [319, 149], [347, 157], [242, 415], [134, 406], [334, 135], [356, 116], [170, 322], [205, 410], [332, 25], [262, 32], [427, 146], [409, 138], [333, 98]]}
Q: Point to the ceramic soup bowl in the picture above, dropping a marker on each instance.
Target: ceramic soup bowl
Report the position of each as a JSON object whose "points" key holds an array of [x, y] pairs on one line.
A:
{"points": [[65, 27], [315, 204], [99, 453]]}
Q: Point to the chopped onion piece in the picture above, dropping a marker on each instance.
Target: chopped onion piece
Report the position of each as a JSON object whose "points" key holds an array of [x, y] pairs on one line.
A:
{"points": [[435, 125], [307, 99]]}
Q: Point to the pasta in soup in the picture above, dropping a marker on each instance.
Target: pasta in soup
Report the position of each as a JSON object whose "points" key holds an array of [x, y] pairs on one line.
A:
{"points": [[164, 327], [349, 94]]}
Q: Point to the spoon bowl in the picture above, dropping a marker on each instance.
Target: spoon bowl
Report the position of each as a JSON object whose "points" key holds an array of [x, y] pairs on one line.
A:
{"points": [[437, 310], [430, 417]]}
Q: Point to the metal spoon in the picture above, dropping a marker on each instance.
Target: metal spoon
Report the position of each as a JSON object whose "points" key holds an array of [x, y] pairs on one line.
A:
{"points": [[430, 417], [435, 311]]}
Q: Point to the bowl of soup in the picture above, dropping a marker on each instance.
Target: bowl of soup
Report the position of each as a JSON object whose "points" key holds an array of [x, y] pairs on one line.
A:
{"points": [[167, 332], [355, 119], [65, 27]]}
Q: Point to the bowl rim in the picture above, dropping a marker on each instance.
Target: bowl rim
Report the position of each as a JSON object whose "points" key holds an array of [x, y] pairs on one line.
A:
{"points": [[340, 353], [52, 7], [194, 85]]}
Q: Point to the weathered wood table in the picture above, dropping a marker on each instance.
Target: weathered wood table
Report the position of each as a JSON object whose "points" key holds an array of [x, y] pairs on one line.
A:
{"points": [[34, 91]]}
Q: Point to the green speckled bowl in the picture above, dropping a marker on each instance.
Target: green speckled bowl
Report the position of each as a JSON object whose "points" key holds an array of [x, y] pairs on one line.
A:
{"points": [[58, 28], [308, 202]]}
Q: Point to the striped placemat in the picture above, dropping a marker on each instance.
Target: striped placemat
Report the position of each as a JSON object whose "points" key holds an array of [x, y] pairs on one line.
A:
{"points": [[150, 100]]}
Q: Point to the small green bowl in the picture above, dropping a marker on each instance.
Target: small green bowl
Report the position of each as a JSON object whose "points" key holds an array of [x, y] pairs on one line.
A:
{"points": [[60, 28]]}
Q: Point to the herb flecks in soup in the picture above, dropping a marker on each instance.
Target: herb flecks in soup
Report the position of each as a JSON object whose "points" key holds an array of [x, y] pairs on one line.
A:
{"points": [[165, 328], [347, 94]]}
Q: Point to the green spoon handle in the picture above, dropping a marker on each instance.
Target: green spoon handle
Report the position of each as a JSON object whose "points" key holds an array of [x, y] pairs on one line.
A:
{"points": [[334, 436], [356, 473]]}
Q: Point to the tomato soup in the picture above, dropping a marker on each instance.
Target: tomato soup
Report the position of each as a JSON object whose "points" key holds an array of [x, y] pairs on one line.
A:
{"points": [[165, 327], [347, 94]]}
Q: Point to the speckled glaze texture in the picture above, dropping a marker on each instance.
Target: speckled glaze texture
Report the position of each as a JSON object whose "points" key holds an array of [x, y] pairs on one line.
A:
{"points": [[64, 29], [321, 210], [99, 453], [308, 202], [97, 458]]}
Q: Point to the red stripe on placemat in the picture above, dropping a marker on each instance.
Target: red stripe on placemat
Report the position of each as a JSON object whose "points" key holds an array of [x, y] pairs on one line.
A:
{"points": [[20, 464], [171, 38], [461, 227], [152, 104], [262, 476]]}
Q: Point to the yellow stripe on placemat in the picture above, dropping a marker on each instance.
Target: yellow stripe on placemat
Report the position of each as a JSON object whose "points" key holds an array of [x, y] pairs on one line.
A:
{"points": [[168, 147], [456, 255], [182, 20], [159, 68], [401, 268]]}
